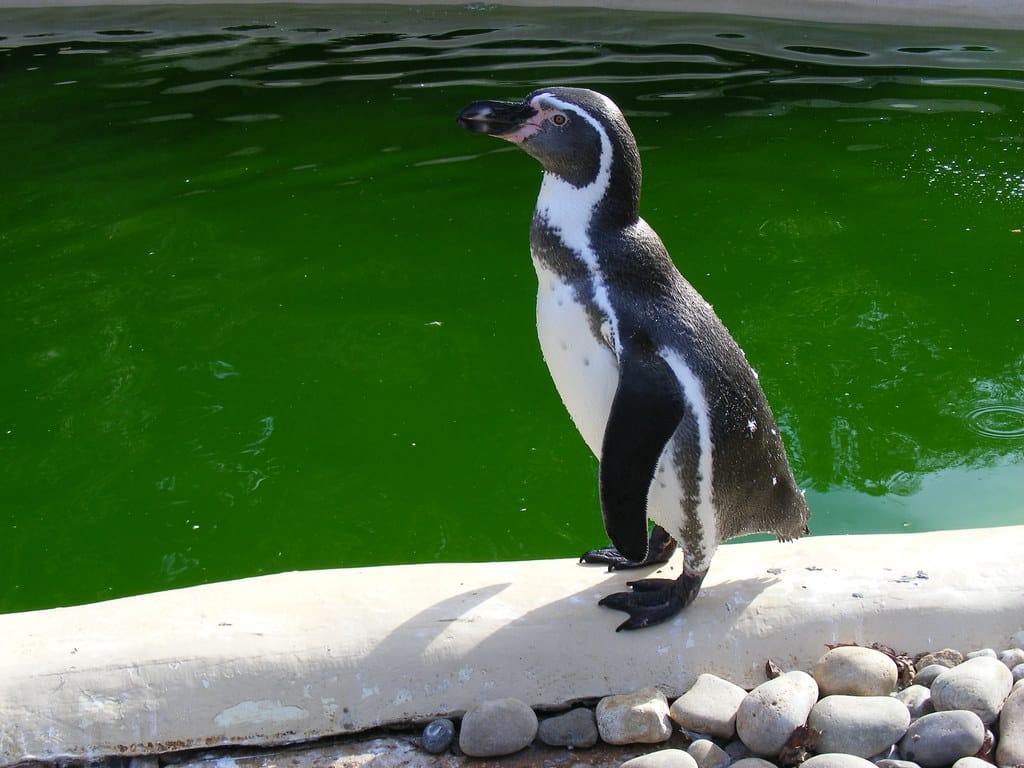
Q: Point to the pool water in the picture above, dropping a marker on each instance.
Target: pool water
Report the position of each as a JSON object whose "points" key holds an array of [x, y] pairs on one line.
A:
{"points": [[264, 307]]}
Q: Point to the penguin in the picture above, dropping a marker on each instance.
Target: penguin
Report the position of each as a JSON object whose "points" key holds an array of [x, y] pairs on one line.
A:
{"points": [[657, 387]]}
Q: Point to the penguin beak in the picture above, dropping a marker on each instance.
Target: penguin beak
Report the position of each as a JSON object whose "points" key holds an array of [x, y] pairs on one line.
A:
{"points": [[509, 120]]}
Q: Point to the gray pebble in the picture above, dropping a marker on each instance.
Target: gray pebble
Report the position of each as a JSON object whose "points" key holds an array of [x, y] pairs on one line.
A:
{"points": [[709, 707], [663, 758], [498, 727], [144, 761], [855, 671], [707, 754], [1011, 727], [942, 738], [1018, 673], [634, 718], [947, 657], [836, 760], [1011, 657], [978, 685], [917, 699], [892, 763], [984, 653], [752, 762], [972, 762], [926, 675], [737, 750], [438, 735], [773, 710], [859, 725], [576, 728]]}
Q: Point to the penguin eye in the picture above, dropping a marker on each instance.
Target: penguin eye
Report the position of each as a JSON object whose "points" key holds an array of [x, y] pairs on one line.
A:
{"points": [[559, 119]]}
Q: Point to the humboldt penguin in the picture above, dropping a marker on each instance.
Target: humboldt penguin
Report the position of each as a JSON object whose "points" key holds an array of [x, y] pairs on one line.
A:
{"points": [[657, 387]]}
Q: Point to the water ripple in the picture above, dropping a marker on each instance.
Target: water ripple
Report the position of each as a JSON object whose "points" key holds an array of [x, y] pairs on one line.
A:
{"points": [[999, 421]]}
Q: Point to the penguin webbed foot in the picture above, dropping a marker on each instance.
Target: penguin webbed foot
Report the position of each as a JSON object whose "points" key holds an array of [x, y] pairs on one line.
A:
{"points": [[653, 601], [659, 550]]}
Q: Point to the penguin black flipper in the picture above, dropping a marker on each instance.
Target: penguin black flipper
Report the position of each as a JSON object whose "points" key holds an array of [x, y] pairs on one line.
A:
{"points": [[645, 412]]}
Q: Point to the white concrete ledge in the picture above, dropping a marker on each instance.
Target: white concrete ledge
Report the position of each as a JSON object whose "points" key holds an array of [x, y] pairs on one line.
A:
{"points": [[297, 656]]}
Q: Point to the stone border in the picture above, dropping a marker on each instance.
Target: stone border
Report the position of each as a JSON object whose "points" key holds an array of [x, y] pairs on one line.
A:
{"points": [[299, 656]]}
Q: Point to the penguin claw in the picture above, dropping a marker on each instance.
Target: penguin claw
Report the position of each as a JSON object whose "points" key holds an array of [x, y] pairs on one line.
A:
{"points": [[659, 550], [653, 601]]}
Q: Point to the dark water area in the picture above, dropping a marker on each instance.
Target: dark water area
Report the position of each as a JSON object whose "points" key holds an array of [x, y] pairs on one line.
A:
{"points": [[264, 307]]}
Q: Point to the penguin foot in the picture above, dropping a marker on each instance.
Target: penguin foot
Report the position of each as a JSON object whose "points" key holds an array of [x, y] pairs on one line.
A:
{"points": [[653, 601], [659, 550]]}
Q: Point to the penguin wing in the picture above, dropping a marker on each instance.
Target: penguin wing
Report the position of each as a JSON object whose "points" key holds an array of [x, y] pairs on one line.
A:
{"points": [[647, 408]]}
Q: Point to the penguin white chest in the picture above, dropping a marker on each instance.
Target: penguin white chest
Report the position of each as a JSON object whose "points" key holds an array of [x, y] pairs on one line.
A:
{"points": [[582, 365]]}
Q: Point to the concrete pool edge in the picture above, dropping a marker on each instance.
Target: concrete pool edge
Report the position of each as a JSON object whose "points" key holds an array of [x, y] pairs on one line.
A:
{"points": [[984, 14], [297, 656]]}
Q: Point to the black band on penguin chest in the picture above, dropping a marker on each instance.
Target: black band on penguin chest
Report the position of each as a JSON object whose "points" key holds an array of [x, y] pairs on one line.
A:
{"points": [[547, 246]]}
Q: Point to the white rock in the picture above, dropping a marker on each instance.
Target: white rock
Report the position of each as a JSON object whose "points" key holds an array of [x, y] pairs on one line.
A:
{"points": [[972, 762], [752, 762], [497, 727], [859, 725], [708, 754], [942, 738], [1011, 727], [855, 671], [634, 718], [771, 712], [663, 758], [709, 707], [917, 699], [890, 763], [988, 653], [978, 685], [836, 760]]}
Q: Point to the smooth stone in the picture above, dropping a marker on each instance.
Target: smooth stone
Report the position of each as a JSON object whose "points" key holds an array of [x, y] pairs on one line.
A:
{"points": [[771, 712], [926, 675], [707, 754], [982, 653], [709, 707], [576, 728], [438, 735], [737, 750], [942, 738], [634, 718], [972, 762], [978, 685], [859, 725], [663, 758], [836, 760], [1011, 657], [1010, 750], [497, 727], [855, 671], [1018, 673], [917, 699], [893, 763], [752, 762], [947, 657]]}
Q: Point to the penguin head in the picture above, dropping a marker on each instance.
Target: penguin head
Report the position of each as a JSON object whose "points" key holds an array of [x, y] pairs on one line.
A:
{"points": [[575, 133]]}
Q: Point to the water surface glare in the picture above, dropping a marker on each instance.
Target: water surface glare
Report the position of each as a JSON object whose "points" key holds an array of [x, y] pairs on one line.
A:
{"points": [[264, 307]]}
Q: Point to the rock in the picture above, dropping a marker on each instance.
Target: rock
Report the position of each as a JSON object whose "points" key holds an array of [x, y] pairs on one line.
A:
{"points": [[737, 750], [1018, 673], [983, 653], [942, 738], [888, 763], [859, 725], [917, 699], [771, 712], [1011, 727], [438, 735], [663, 758], [634, 718], [497, 727], [836, 760], [1011, 657], [576, 728], [944, 658], [752, 762], [926, 675], [972, 762], [709, 707], [855, 671], [978, 685], [707, 754]]}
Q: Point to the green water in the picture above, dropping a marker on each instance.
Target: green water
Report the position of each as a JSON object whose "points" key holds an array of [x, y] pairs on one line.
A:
{"points": [[264, 307]]}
